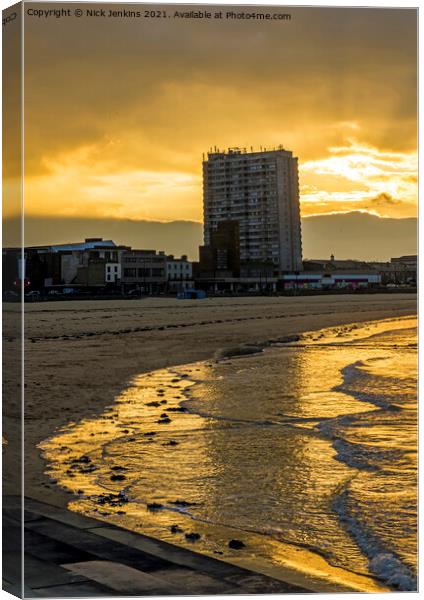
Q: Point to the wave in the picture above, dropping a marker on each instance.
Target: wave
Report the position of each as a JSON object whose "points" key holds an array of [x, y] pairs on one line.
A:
{"points": [[383, 563], [368, 457]]}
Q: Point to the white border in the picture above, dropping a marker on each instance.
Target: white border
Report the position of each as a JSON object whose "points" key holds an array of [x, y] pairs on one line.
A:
{"points": [[299, 3]]}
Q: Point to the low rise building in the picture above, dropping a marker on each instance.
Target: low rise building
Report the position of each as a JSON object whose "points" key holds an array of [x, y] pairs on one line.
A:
{"points": [[179, 273], [76, 264], [330, 280], [144, 270]]}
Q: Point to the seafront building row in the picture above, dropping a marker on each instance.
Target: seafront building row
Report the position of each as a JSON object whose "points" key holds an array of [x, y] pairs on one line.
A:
{"points": [[252, 243], [98, 265]]}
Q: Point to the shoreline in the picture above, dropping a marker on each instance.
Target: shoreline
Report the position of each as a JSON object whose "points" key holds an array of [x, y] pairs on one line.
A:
{"points": [[59, 368], [116, 354], [319, 576]]}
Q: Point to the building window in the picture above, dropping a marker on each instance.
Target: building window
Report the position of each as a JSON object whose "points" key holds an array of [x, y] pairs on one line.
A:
{"points": [[129, 272]]}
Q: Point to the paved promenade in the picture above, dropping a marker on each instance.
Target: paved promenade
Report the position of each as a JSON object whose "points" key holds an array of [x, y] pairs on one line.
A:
{"points": [[69, 555]]}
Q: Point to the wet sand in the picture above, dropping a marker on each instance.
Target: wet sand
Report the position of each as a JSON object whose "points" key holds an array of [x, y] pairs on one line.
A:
{"points": [[80, 355], [229, 450]]}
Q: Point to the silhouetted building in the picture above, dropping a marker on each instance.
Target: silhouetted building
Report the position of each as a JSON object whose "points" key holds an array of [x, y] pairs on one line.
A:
{"points": [[260, 191], [221, 257], [144, 270]]}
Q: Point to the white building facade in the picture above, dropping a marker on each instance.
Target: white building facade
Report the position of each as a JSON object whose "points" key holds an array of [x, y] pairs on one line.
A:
{"points": [[179, 273]]}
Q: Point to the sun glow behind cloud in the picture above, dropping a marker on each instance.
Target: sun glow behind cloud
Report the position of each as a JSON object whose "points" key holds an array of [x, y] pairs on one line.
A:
{"points": [[98, 191], [358, 176], [130, 146], [351, 176]]}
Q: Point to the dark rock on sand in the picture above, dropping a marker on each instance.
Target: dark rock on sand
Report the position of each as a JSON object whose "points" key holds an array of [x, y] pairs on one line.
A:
{"points": [[154, 506], [192, 537], [287, 339], [88, 469], [237, 351], [117, 477], [236, 544], [184, 503], [82, 459], [112, 499], [176, 529]]}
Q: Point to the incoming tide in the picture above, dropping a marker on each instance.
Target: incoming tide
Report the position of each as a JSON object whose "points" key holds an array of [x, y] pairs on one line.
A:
{"points": [[305, 452]]}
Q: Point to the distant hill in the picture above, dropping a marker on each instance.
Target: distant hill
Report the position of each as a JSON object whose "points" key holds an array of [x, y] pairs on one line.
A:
{"points": [[351, 235], [358, 235]]}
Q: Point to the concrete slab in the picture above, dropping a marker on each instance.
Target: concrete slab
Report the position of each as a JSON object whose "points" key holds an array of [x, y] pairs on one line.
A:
{"points": [[39, 573], [168, 552], [51, 550], [194, 582], [88, 589], [99, 547], [261, 584], [69, 555], [123, 579], [59, 514]]}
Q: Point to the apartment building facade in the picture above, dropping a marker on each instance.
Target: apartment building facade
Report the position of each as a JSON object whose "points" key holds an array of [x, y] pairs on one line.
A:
{"points": [[144, 270], [179, 273], [260, 191]]}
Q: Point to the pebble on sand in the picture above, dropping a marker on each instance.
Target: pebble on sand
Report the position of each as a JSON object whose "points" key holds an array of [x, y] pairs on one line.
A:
{"points": [[236, 544], [192, 537]]}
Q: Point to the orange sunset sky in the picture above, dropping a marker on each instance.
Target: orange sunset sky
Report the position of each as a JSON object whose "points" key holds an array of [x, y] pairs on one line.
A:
{"points": [[119, 111]]}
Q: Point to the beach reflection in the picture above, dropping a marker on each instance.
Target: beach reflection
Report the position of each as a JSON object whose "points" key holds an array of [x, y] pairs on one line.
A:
{"points": [[245, 449]]}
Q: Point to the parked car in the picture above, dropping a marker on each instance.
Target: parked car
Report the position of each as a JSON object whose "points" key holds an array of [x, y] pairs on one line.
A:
{"points": [[33, 295], [10, 294]]}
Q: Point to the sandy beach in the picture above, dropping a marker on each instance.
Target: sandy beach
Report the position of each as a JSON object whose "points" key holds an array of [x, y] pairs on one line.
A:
{"points": [[81, 355]]}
